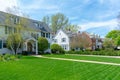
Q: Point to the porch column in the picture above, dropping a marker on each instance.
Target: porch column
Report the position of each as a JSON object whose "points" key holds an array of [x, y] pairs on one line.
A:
{"points": [[26, 46], [2, 43], [36, 47]]}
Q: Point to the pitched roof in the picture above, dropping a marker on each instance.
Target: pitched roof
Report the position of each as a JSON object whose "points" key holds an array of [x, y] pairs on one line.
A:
{"points": [[30, 22]]}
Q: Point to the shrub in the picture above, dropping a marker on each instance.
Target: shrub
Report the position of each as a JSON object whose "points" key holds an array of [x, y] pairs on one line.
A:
{"points": [[1, 57], [19, 56], [108, 52], [42, 44], [55, 48], [13, 57], [8, 57]]}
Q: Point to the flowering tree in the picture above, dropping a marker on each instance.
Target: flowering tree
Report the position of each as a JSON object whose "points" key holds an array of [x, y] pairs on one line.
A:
{"points": [[14, 41]]}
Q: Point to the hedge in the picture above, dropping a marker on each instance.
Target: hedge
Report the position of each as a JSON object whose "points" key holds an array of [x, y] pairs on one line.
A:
{"points": [[102, 52]]}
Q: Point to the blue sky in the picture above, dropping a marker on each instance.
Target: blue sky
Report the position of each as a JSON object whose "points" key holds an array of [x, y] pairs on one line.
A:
{"points": [[94, 16]]}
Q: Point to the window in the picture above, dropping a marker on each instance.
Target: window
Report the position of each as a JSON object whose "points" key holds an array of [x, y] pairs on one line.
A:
{"points": [[4, 44], [36, 24], [10, 30], [16, 20], [0, 44], [63, 40], [65, 47], [11, 18], [33, 35], [55, 40], [42, 34], [40, 26], [47, 35]]}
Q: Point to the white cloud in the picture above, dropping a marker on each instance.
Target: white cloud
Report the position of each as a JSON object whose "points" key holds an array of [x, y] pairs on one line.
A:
{"points": [[41, 5], [8, 3], [12, 6], [112, 24]]}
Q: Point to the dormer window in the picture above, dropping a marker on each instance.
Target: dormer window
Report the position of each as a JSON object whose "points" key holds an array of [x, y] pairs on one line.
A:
{"points": [[16, 20], [40, 26], [36, 24], [11, 18]]}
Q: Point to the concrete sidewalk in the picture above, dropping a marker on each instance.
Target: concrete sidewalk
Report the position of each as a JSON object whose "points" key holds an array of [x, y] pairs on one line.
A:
{"points": [[94, 55], [85, 61]]}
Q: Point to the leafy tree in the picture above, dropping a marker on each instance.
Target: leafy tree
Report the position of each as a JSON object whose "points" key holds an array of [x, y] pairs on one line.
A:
{"points": [[14, 41], [46, 19], [113, 34], [108, 43], [58, 21], [42, 44], [55, 48], [72, 28], [117, 41], [18, 27], [80, 40]]}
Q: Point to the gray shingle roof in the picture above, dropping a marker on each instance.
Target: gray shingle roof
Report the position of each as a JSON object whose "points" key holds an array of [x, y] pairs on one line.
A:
{"points": [[30, 22]]}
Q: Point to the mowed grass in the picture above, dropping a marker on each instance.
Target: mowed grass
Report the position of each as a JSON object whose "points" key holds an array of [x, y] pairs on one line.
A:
{"points": [[91, 58], [31, 68]]}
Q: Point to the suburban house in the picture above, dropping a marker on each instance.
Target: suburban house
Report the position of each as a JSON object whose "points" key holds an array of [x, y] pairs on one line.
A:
{"points": [[97, 42], [35, 29], [68, 39], [63, 39]]}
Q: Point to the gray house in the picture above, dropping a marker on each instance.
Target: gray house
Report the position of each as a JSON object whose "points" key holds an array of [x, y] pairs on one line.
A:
{"points": [[35, 29]]}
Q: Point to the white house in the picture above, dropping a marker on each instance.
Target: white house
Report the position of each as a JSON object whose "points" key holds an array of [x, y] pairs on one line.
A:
{"points": [[63, 39], [35, 29]]}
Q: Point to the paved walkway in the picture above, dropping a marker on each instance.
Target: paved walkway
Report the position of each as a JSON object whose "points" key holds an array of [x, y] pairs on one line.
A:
{"points": [[86, 61], [95, 55]]}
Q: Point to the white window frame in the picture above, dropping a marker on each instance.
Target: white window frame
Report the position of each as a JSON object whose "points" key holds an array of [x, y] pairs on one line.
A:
{"points": [[63, 40]]}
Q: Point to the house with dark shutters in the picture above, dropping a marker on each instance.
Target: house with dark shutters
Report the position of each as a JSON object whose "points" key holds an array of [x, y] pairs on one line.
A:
{"points": [[34, 29]]}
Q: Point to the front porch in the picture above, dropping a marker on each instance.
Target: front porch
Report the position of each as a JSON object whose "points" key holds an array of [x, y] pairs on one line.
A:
{"points": [[31, 46]]}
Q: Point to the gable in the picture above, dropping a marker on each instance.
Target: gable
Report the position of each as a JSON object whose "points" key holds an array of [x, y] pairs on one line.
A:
{"points": [[60, 33]]}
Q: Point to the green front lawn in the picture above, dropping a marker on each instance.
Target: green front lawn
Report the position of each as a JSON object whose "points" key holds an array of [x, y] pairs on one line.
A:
{"points": [[91, 58], [31, 68]]}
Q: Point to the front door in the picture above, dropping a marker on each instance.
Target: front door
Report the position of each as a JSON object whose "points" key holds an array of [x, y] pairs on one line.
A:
{"points": [[29, 47]]}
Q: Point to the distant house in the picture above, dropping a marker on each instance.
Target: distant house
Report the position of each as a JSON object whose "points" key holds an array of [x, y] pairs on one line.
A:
{"points": [[96, 41], [35, 29], [67, 39], [62, 39]]}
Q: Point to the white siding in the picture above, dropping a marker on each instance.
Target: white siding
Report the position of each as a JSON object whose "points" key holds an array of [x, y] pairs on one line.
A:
{"points": [[59, 37]]}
